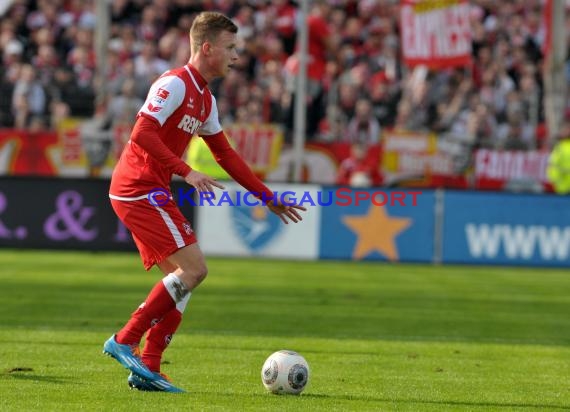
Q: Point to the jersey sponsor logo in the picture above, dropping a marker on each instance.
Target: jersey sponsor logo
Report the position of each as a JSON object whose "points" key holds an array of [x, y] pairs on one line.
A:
{"points": [[189, 124], [154, 109]]}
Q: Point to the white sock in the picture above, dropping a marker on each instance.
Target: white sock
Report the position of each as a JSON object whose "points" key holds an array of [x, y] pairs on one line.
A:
{"points": [[181, 306], [176, 288]]}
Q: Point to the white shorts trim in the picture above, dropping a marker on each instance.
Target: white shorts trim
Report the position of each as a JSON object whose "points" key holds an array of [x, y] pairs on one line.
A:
{"points": [[172, 227], [128, 199]]}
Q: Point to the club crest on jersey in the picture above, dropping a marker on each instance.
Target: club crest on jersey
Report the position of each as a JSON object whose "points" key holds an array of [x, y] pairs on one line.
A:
{"points": [[189, 124], [187, 227]]}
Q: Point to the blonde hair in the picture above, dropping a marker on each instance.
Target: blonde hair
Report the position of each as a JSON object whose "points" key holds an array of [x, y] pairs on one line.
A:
{"points": [[207, 26]]}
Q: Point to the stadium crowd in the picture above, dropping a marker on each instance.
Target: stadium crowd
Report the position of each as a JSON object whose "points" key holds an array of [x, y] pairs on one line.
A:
{"points": [[357, 83]]}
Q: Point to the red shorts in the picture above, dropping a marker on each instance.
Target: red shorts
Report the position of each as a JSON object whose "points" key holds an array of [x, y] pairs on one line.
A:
{"points": [[158, 231]]}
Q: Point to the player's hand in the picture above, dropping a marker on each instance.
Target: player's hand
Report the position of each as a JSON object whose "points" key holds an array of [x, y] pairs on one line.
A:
{"points": [[286, 212], [203, 183]]}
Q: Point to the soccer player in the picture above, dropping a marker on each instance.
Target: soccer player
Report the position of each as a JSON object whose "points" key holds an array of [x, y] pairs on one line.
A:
{"points": [[179, 105]]}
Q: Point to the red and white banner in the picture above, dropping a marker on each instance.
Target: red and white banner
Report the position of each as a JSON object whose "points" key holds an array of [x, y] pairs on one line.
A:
{"points": [[258, 144], [435, 33], [496, 170], [419, 160]]}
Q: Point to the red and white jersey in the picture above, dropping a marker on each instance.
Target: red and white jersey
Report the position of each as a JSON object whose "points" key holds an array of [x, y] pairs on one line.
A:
{"points": [[182, 104]]}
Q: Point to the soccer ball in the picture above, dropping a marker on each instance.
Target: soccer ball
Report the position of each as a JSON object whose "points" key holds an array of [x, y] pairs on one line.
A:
{"points": [[284, 372]]}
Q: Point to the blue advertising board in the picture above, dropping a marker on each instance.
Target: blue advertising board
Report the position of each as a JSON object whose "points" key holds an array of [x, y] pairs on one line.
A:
{"points": [[502, 228], [389, 225], [340, 223]]}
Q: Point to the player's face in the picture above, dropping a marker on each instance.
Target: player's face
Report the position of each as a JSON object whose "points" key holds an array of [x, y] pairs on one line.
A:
{"points": [[224, 53]]}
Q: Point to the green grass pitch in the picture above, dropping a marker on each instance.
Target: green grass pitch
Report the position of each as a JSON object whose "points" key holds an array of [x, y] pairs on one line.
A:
{"points": [[377, 336]]}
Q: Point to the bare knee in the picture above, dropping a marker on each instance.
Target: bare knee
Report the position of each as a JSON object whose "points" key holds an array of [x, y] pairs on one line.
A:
{"points": [[193, 276], [191, 264], [200, 273]]}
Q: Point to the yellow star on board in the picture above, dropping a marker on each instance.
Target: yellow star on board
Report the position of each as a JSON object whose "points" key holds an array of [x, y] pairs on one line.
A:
{"points": [[376, 231]]}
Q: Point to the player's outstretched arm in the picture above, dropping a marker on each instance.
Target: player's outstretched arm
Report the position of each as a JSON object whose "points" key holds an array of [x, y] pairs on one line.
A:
{"points": [[236, 167], [202, 183], [286, 212]]}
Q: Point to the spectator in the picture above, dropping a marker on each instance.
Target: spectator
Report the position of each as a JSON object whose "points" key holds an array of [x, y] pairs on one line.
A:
{"points": [[28, 98], [515, 134], [148, 65], [333, 127], [363, 128], [281, 15], [354, 48], [65, 91], [123, 107], [359, 169], [322, 41], [9, 72]]}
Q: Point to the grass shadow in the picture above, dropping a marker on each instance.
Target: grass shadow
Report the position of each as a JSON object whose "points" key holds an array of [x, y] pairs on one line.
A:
{"points": [[38, 378]]}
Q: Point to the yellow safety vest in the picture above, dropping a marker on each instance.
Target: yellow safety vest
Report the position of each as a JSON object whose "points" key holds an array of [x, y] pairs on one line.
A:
{"points": [[200, 158], [558, 169]]}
